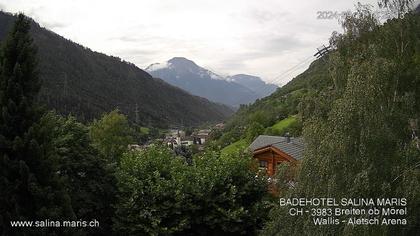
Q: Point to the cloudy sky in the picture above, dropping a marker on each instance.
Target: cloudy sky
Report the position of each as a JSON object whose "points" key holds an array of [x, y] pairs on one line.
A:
{"points": [[273, 39]]}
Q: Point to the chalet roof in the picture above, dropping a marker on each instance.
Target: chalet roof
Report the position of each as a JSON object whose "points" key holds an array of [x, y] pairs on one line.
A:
{"points": [[294, 148]]}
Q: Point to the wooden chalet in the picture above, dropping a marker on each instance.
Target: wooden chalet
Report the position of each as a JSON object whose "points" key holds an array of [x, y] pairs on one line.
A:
{"points": [[271, 151]]}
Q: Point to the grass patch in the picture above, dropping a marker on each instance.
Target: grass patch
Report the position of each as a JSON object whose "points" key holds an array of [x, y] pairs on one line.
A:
{"points": [[281, 126], [144, 130], [235, 147]]}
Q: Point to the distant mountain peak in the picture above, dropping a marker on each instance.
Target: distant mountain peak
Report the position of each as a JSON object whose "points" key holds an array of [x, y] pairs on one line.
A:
{"points": [[184, 65], [181, 59], [182, 62], [186, 74]]}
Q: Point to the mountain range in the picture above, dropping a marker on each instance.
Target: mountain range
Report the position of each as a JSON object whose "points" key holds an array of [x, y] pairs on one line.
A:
{"points": [[84, 83], [233, 90], [254, 83]]}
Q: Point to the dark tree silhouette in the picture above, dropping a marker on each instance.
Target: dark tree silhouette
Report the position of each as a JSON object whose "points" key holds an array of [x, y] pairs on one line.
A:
{"points": [[30, 188]]}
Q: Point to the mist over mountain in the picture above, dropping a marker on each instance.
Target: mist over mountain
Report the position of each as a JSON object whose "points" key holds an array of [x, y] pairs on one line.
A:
{"points": [[186, 74], [84, 83], [254, 83]]}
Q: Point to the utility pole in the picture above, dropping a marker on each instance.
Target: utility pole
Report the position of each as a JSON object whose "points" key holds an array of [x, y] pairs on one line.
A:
{"points": [[65, 85], [65, 90], [136, 111], [322, 51]]}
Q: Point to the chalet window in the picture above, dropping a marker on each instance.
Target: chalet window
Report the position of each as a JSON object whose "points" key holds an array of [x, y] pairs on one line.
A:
{"points": [[263, 164]]}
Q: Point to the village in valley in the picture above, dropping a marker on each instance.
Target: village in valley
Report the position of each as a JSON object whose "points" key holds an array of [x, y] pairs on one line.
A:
{"points": [[186, 138], [269, 151]]}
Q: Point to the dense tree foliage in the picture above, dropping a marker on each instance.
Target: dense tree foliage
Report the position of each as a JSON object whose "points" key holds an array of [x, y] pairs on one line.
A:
{"points": [[161, 194], [86, 175], [49, 168], [111, 135], [30, 188], [361, 135]]}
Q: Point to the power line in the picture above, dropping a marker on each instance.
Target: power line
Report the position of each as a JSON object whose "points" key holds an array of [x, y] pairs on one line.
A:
{"points": [[286, 73], [321, 52], [292, 69]]}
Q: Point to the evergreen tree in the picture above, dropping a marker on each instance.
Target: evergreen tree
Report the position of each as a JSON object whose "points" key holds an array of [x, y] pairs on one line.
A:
{"points": [[86, 176], [30, 189]]}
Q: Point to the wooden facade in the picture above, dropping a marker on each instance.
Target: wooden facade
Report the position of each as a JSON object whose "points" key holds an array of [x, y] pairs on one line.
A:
{"points": [[270, 157]]}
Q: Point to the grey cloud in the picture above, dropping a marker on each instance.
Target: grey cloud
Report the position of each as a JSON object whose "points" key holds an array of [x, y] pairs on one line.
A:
{"points": [[36, 12], [270, 47], [126, 38], [135, 52], [281, 44], [54, 25], [133, 38], [263, 16], [235, 64], [261, 38]]}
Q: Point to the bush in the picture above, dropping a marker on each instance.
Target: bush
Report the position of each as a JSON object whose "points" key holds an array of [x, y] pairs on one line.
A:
{"points": [[162, 194]]}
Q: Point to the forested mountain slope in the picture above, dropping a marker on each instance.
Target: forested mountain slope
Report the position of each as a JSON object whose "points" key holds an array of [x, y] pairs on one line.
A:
{"points": [[84, 83]]}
